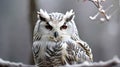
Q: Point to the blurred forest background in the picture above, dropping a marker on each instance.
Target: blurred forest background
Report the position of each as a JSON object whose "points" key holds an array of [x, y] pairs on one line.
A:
{"points": [[17, 19]]}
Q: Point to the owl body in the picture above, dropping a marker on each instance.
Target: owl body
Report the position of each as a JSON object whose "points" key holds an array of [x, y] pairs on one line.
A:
{"points": [[56, 41]]}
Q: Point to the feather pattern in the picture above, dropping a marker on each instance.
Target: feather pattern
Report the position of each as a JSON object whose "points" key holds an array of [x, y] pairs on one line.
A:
{"points": [[65, 47]]}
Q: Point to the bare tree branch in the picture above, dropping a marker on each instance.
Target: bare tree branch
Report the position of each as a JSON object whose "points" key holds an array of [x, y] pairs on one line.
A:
{"points": [[4, 63], [101, 11], [110, 63]]}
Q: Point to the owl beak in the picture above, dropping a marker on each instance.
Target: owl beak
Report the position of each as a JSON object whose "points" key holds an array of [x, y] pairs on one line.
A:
{"points": [[55, 34]]}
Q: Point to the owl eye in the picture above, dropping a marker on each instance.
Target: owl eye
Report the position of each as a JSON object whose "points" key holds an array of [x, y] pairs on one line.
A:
{"points": [[48, 27], [63, 27]]}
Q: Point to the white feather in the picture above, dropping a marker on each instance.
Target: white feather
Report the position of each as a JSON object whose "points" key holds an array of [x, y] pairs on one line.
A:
{"points": [[69, 13], [43, 14]]}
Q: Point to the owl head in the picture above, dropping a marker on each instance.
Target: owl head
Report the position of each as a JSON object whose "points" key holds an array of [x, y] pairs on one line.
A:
{"points": [[56, 26]]}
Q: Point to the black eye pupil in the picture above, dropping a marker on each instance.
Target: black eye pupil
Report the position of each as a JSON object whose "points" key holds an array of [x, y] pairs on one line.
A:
{"points": [[48, 27], [63, 27]]}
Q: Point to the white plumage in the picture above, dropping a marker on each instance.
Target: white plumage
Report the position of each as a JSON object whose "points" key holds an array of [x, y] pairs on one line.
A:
{"points": [[56, 41]]}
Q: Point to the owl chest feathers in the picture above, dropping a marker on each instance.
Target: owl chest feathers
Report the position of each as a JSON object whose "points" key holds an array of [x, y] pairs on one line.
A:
{"points": [[60, 53], [48, 48]]}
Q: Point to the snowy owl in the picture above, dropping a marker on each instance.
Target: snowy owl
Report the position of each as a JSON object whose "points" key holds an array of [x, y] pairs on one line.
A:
{"points": [[56, 41]]}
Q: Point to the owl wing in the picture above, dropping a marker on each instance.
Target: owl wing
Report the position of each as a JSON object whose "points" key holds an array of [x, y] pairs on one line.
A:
{"points": [[36, 33], [74, 35], [36, 49], [78, 52], [86, 49], [83, 46]]}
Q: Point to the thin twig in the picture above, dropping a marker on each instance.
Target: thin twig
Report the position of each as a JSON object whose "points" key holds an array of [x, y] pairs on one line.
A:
{"points": [[97, 3]]}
